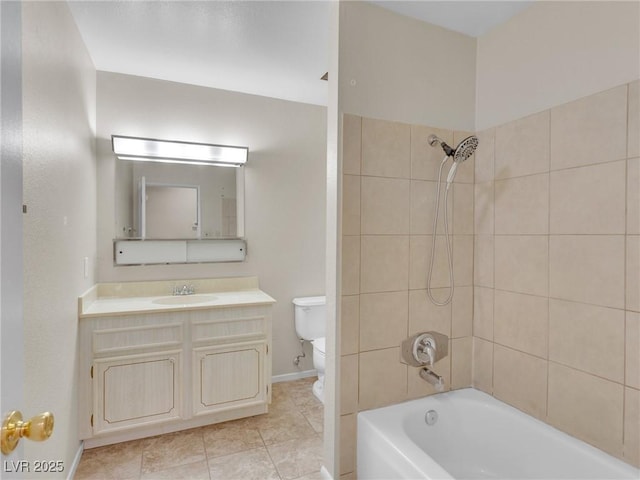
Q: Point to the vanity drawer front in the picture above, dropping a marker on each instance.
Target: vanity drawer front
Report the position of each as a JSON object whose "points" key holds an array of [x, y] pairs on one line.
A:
{"points": [[228, 330], [122, 339]]}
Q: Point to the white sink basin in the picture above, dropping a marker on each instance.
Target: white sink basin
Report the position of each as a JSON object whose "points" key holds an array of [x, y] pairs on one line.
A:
{"points": [[184, 299]]}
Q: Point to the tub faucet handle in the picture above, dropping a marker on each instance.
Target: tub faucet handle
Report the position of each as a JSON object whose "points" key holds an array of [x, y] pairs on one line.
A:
{"points": [[425, 349]]}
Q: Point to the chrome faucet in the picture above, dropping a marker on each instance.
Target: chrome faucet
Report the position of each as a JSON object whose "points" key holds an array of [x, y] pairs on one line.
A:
{"points": [[184, 290]]}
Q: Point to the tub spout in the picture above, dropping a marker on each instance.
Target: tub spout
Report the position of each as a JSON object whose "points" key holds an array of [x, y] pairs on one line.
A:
{"points": [[433, 378]]}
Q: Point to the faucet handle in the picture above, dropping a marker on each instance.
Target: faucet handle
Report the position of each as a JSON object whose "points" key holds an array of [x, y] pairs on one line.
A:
{"points": [[424, 349]]}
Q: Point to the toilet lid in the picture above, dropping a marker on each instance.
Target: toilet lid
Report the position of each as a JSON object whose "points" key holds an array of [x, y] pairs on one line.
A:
{"points": [[318, 343]]}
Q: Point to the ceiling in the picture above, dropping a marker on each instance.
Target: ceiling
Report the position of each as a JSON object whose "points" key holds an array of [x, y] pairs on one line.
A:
{"points": [[273, 48]]}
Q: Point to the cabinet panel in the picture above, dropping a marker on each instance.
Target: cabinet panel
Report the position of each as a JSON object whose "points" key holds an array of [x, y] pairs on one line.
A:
{"points": [[229, 376], [114, 340], [136, 389], [229, 330]]}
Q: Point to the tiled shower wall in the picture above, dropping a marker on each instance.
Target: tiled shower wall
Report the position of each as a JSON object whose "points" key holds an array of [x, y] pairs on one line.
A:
{"points": [[389, 187], [557, 266]]}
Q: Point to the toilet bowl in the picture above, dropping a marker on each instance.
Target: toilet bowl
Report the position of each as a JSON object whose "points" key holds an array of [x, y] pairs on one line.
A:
{"points": [[319, 365], [310, 324]]}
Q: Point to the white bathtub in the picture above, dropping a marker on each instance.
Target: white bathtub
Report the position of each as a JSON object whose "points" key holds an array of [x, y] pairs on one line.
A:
{"points": [[475, 436]]}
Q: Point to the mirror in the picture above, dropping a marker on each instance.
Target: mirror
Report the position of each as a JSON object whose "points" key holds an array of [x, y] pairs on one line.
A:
{"points": [[177, 201]]}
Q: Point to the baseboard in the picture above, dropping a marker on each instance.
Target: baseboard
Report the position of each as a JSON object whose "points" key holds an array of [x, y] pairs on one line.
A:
{"points": [[288, 377], [76, 461]]}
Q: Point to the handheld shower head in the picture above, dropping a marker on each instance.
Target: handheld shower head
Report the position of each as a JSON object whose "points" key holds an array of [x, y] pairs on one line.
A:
{"points": [[461, 153], [465, 149]]}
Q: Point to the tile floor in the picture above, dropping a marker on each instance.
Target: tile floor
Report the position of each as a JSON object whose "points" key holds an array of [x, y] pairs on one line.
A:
{"points": [[284, 444]]}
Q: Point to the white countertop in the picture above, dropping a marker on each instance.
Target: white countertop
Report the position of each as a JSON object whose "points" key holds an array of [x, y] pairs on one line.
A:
{"points": [[129, 305]]}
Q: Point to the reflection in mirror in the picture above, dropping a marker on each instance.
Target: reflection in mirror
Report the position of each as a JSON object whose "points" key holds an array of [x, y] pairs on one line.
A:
{"points": [[164, 200], [169, 211]]}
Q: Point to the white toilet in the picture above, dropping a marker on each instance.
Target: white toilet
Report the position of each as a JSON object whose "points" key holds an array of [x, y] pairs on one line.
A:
{"points": [[310, 319]]}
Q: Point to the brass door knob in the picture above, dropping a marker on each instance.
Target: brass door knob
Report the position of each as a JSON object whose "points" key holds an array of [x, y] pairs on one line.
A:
{"points": [[38, 428]]}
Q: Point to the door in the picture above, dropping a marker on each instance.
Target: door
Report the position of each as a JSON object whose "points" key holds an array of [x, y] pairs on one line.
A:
{"points": [[136, 390], [11, 336], [11, 285], [228, 376]]}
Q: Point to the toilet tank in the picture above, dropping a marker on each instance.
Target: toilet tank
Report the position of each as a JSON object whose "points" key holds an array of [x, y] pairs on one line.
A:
{"points": [[310, 315]]}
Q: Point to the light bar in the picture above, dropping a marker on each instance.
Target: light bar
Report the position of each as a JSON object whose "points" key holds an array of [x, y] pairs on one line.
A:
{"points": [[169, 151]]}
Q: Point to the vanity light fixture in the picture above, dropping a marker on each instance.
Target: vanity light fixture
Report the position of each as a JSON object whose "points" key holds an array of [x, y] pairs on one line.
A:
{"points": [[171, 151]]}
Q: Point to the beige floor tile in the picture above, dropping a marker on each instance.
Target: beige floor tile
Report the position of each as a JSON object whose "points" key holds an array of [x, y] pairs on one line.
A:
{"points": [[192, 471], [229, 437], [120, 461], [251, 465], [167, 451], [229, 450], [315, 416], [284, 427], [297, 457]]}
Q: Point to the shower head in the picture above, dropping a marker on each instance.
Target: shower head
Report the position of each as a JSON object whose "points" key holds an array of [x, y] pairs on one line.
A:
{"points": [[462, 152], [465, 149]]}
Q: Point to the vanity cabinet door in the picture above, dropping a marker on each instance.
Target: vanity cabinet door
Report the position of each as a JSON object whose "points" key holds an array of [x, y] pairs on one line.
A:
{"points": [[136, 390], [229, 376]]}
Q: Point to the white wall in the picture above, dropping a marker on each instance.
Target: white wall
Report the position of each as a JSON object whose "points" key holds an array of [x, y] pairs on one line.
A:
{"points": [[284, 185], [405, 70], [59, 85], [553, 53]]}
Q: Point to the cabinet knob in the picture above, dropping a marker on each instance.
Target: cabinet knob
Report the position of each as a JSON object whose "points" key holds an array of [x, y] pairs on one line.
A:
{"points": [[38, 428]]}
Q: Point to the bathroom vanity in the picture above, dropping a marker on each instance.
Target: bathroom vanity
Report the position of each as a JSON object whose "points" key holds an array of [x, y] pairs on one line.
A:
{"points": [[152, 361]]}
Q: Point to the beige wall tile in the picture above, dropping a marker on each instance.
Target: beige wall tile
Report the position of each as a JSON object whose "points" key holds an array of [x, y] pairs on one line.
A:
{"points": [[424, 316], [418, 387], [385, 205], [466, 171], [462, 259], [633, 273], [482, 367], [587, 268], [632, 350], [349, 384], [348, 443], [420, 255], [483, 312], [521, 263], [425, 159], [351, 144], [384, 319], [633, 196], [461, 358], [463, 220], [483, 259], [589, 199], [522, 205], [580, 333], [349, 324], [577, 129], [385, 263], [632, 426], [386, 148], [350, 265], [383, 378], [423, 203], [484, 156], [462, 312], [351, 205], [633, 139], [522, 146], [520, 379], [483, 208], [344, 476], [521, 322], [587, 407]]}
